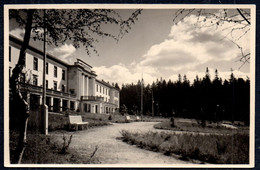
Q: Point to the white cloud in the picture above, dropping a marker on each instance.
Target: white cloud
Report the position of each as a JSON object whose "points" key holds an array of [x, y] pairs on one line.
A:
{"points": [[188, 50], [117, 73], [18, 32], [122, 74], [189, 46], [64, 52]]}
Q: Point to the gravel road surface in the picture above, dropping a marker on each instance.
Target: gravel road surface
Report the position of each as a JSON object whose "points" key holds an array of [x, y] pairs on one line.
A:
{"points": [[112, 150]]}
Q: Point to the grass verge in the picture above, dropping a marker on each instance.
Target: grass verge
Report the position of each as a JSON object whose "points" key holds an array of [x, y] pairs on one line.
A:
{"points": [[60, 121], [43, 149], [193, 126], [216, 149]]}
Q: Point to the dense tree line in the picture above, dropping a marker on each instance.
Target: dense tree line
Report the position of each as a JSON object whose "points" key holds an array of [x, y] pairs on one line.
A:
{"points": [[207, 98]]}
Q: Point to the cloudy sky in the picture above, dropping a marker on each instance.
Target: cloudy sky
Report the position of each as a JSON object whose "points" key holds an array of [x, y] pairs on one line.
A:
{"points": [[157, 47]]}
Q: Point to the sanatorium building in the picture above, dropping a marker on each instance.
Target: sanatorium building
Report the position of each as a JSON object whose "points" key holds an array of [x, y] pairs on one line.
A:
{"points": [[68, 87]]}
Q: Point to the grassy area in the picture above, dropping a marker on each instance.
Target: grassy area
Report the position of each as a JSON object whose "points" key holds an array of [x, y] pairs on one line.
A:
{"points": [[108, 118], [43, 149], [60, 121], [153, 119], [57, 122], [118, 118], [193, 126], [216, 149]]}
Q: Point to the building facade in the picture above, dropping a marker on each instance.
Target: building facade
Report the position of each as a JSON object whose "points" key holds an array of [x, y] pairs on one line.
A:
{"points": [[68, 87]]}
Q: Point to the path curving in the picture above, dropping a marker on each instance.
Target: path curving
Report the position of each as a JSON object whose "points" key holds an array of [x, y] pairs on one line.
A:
{"points": [[114, 151]]}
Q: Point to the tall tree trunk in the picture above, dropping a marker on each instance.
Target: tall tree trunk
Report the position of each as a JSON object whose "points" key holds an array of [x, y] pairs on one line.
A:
{"points": [[18, 101]]}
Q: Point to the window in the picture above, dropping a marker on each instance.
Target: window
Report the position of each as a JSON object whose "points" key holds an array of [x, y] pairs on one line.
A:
{"points": [[47, 68], [55, 85], [97, 88], [35, 63], [63, 74], [55, 71], [72, 91], [22, 78], [10, 53], [47, 84], [103, 90], [72, 105], [35, 80], [63, 88], [100, 89]]}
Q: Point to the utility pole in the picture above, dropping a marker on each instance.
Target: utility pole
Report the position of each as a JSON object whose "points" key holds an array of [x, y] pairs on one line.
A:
{"points": [[233, 95], [152, 104], [142, 95], [44, 110]]}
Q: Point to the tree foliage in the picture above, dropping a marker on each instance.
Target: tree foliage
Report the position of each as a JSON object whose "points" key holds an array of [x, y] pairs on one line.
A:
{"points": [[75, 26], [206, 98]]}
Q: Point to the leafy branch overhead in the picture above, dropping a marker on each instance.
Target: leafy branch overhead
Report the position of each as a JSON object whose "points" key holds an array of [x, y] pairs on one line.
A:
{"points": [[77, 26], [235, 23], [74, 26]]}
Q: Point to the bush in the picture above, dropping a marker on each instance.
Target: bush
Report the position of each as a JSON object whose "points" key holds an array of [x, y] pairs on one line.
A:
{"points": [[202, 123], [172, 122], [65, 146]]}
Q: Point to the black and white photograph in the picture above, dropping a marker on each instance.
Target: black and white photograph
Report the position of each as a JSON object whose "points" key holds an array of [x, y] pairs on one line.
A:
{"points": [[102, 85]]}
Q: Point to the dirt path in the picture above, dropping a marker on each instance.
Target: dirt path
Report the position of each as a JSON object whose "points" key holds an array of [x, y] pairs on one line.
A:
{"points": [[113, 151]]}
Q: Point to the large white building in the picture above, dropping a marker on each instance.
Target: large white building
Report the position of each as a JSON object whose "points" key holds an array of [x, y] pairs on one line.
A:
{"points": [[73, 87]]}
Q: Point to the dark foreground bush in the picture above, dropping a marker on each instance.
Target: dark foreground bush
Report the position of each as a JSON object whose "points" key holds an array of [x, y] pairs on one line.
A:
{"points": [[217, 149]]}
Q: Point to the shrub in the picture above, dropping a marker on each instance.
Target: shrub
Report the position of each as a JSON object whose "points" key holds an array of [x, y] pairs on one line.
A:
{"points": [[65, 146], [110, 117], [172, 122], [124, 110], [202, 123]]}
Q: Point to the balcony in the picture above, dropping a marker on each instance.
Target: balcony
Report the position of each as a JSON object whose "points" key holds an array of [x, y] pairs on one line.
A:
{"points": [[92, 98], [38, 89]]}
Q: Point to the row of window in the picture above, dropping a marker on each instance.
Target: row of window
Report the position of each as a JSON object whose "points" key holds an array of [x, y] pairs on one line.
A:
{"points": [[35, 82], [55, 73], [100, 88], [35, 65]]}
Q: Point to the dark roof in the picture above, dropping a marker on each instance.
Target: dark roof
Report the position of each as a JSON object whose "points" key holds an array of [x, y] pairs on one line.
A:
{"points": [[79, 66], [84, 62], [18, 41], [106, 84]]}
